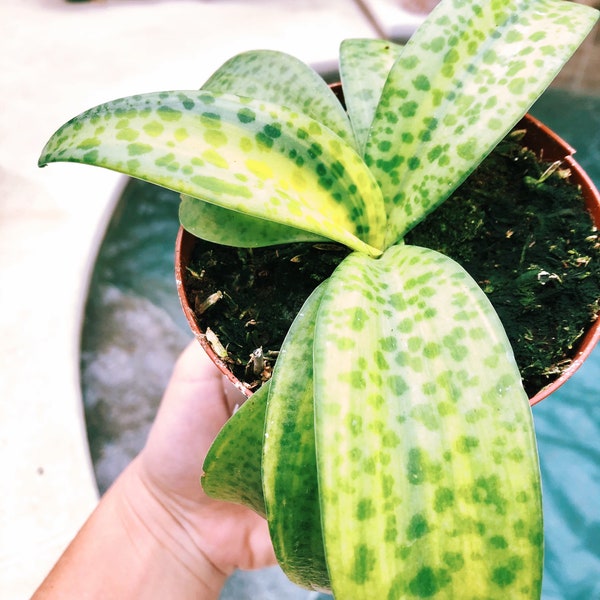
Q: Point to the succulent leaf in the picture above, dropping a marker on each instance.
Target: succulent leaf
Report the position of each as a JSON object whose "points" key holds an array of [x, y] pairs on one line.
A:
{"points": [[220, 225], [245, 155], [282, 79], [232, 467], [364, 67], [289, 460], [426, 453], [463, 80]]}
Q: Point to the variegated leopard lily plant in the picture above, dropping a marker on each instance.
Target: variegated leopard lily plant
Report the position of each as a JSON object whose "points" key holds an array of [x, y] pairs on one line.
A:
{"points": [[393, 451]]}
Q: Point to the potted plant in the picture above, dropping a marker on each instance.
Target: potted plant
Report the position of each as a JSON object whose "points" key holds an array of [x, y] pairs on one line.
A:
{"points": [[393, 450]]}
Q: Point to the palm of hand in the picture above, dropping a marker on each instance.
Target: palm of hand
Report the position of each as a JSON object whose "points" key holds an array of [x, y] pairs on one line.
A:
{"points": [[196, 404]]}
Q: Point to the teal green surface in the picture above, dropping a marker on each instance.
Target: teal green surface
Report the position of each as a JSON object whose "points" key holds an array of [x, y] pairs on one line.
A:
{"points": [[137, 257]]}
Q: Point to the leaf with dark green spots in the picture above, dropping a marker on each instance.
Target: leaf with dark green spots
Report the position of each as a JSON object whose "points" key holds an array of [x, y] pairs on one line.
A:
{"points": [[282, 79], [282, 166], [213, 223], [289, 460], [232, 467], [462, 81], [412, 503], [364, 67]]}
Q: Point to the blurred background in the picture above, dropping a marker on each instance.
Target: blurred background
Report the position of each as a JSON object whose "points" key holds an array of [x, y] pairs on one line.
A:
{"points": [[90, 323]]}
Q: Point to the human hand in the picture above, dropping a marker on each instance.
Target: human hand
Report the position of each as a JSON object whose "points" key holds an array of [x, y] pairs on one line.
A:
{"points": [[155, 534], [196, 403]]}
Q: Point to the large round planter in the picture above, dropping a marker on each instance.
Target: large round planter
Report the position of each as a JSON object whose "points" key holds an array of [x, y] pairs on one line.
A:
{"points": [[539, 138]]}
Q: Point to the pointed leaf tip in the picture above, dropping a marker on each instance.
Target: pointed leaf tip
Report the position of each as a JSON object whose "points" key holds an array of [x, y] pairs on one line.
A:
{"points": [[247, 156]]}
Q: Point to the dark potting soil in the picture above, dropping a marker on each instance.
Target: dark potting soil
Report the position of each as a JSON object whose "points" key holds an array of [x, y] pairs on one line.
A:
{"points": [[516, 225]]}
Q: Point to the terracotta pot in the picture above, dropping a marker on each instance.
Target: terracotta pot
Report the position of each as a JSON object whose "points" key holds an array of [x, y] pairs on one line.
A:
{"points": [[539, 138]]}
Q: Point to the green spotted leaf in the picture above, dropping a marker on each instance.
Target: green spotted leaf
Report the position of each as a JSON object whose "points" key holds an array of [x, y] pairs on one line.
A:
{"points": [[364, 67], [426, 454], [463, 80], [219, 225], [244, 155], [232, 467], [282, 79], [289, 460]]}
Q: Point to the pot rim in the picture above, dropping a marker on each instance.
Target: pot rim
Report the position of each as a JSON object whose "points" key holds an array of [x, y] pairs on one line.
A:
{"points": [[547, 145], [559, 149]]}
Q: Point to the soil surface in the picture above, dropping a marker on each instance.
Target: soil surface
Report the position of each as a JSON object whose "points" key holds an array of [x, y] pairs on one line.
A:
{"points": [[516, 225]]}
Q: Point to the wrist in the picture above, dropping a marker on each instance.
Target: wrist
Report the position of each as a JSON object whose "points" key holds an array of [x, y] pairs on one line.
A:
{"points": [[132, 547]]}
